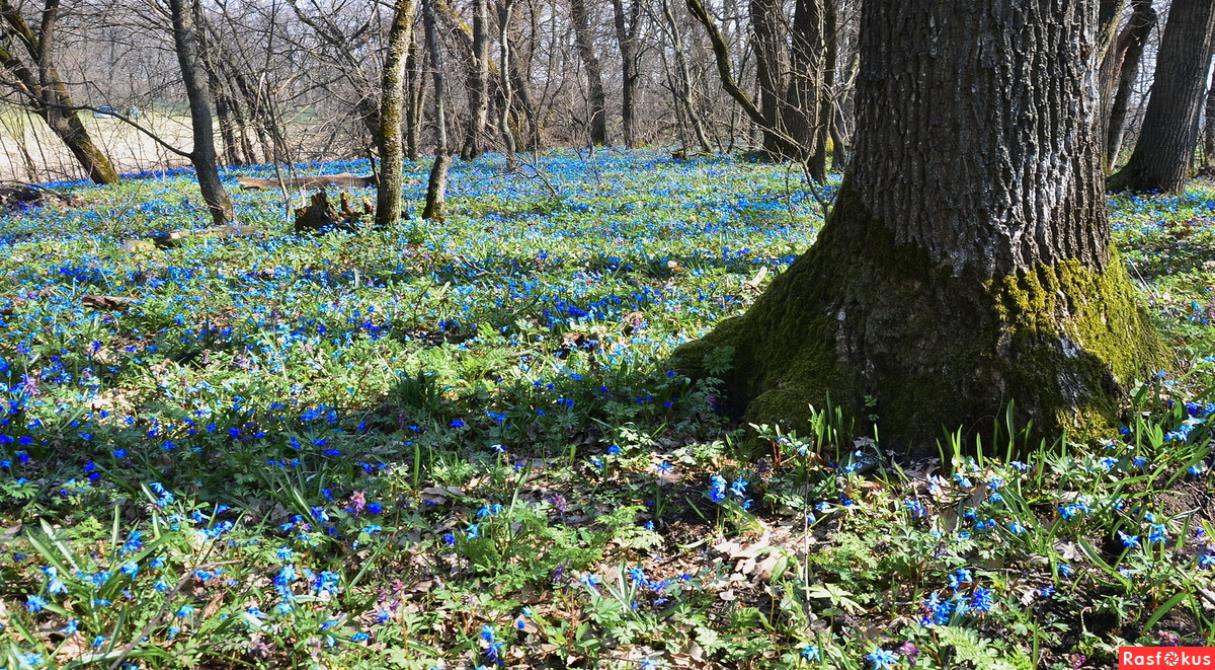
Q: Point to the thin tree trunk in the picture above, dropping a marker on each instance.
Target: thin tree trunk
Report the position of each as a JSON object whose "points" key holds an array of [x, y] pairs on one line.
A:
{"points": [[1208, 149], [436, 190], [505, 10], [416, 103], [223, 107], [807, 106], [1161, 159], [626, 38], [185, 39], [770, 66], [1129, 51], [683, 86], [949, 283], [478, 84], [594, 76], [392, 101], [776, 141]]}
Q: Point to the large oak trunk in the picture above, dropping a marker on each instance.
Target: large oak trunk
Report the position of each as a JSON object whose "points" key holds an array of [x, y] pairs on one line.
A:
{"points": [[1161, 159], [951, 281]]}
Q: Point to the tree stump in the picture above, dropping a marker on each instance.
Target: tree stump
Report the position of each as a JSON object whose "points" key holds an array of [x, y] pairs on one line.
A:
{"points": [[322, 216]]}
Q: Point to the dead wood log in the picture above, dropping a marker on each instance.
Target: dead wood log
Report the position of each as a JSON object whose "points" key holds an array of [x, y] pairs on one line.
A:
{"points": [[344, 180], [109, 303], [176, 237]]}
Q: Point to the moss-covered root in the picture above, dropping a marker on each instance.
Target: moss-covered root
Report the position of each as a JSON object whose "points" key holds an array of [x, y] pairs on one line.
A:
{"points": [[859, 315]]}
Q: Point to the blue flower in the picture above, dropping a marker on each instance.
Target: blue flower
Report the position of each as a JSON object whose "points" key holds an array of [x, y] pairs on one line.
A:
{"points": [[881, 659], [591, 581], [717, 489], [981, 599], [34, 603]]}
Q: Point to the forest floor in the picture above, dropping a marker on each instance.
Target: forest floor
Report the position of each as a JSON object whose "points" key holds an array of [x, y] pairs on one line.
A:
{"points": [[456, 445]]}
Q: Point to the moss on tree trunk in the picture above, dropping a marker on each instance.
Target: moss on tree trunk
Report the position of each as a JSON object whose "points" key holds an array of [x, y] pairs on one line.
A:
{"points": [[861, 315]]}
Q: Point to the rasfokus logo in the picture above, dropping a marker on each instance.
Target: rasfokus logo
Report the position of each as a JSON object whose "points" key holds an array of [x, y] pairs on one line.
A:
{"points": [[1165, 658]]}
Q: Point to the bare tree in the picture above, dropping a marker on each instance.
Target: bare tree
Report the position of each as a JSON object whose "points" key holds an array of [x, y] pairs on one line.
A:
{"points": [[1161, 159], [596, 97], [627, 23], [203, 157], [1127, 53], [392, 103], [36, 78], [505, 12], [436, 190]]}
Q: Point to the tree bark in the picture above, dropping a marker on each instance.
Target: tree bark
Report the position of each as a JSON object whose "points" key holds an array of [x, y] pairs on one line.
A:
{"points": [[626, 24], [597, 99], [436, 190], [478, 84], [770, 66], [949, 283], [186, 41], [416, 103], [1161, 160], [392, 101], [505, 10], [1129, 51]]}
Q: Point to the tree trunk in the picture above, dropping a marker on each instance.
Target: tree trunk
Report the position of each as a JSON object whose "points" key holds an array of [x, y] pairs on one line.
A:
{"points": [[521, 86], [626, 38], [1129, 53], [1161, 159], [683, 82], [1208, 148], [185, 39], [776, 142], [69, 129], [950, 283], [223, 105], [392, 101], [770, 66], [38, 80], [416, 104], [436, 190], [505, 9], [478, 84], [594, 76], [807, 111]]}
